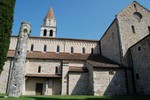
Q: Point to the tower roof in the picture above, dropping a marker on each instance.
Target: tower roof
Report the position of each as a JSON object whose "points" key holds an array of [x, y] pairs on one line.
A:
{"points": [[50, 14]]}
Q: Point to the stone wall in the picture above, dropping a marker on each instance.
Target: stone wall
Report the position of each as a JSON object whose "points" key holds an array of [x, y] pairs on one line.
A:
{"points": [[78, 83], [110, 43], [64, 44], [141, 65], [77, 63], [56, 87], [126, 20], [30, 85], [109, 82], [50, 86], [64, 84], [47, 66], [4, 76], [91, 81]]}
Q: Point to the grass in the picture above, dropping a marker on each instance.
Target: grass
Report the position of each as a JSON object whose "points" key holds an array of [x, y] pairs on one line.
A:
{"points": [[77, 98]]}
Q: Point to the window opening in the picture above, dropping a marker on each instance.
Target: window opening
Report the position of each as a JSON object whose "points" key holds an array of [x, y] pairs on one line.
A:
{"points": [[137, 76], [51, 33], [45, 48], [133, 29], [39, 69], [32, 46], [92, 51], [72, 50], [56, 70], [149, 29], [45, 32], [139, 48], [58, 48], [83, 50]]}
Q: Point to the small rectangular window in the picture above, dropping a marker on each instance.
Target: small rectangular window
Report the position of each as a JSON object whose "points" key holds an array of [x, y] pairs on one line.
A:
{"points": [[72, 50], [113, 36], [149, 29], [39, 70], [32, 46], [111, 72], [58, 48], [137, 76], [92, 51], [45, 48], [149, 44], [18, 52], [56, 70], [139, 48], [133, 29], [83, 50]]}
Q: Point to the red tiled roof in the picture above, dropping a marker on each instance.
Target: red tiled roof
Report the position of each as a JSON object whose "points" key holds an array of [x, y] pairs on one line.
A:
{"points": [[95, 60], [49, 55], [43, 75], [99, 61], [50, 14]]}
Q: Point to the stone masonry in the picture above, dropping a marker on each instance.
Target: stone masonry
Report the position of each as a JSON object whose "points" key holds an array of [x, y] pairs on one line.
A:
{"points": [[117, 64], [17, 74], [141, 65]]}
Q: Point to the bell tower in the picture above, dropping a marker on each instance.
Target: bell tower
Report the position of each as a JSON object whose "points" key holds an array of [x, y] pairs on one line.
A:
{"points": [[48, 29]]}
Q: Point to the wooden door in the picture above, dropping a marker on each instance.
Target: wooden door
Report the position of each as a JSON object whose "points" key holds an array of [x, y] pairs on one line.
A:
{"points": [[39, 88]]}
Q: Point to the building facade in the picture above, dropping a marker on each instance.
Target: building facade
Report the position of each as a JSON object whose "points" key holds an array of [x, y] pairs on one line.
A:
{"points": [[64, 66]]}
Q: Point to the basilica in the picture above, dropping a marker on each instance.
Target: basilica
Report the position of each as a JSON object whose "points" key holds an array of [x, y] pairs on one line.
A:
{"points": [[117, 64]]}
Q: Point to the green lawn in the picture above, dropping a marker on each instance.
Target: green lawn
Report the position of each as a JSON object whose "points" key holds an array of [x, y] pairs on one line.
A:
{"points": [[78, 98]]}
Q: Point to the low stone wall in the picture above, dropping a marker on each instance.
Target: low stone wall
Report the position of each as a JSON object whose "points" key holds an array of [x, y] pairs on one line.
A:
{"points": [[50, 86], [109, 82], [4, 77], [78, 83]]}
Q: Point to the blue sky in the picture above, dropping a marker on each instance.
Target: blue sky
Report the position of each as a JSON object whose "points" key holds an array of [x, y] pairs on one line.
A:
{"points": [[82, 19]]}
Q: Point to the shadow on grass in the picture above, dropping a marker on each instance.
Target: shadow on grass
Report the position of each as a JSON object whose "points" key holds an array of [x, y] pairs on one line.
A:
{"points": [[2, 95], [68, 98], [92, 98]]}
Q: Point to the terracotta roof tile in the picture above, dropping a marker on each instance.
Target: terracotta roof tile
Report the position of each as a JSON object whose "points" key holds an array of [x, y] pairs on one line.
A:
{"points": [[49, 55], [95, 60], [100, 61], [50, 14]]}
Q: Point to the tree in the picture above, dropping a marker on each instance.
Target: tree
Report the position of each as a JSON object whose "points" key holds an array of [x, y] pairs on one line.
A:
{"points": [[6, 22]]}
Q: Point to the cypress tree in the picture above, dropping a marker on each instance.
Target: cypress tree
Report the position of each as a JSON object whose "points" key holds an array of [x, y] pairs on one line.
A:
{"points": [[6, 22]]}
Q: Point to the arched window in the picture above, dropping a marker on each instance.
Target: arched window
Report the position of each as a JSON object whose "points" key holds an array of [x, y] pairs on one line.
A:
{"points": [[45, 32], [58, 48], [56, 70], [83, 50], [133, 29], [45, 48], [72, 50], [92, 51], [51, 33], [32, 46], [39, 69]]}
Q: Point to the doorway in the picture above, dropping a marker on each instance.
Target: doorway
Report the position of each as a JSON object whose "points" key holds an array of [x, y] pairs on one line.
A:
{"points": [[39, 88]]}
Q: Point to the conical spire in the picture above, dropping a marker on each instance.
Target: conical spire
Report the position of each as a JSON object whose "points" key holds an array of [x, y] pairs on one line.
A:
{"points": [[50, 14]]}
